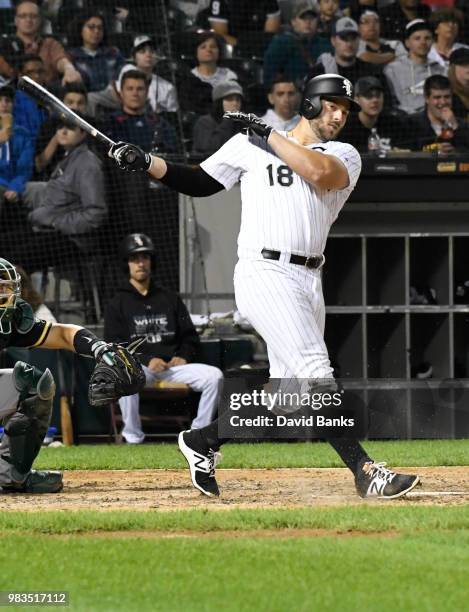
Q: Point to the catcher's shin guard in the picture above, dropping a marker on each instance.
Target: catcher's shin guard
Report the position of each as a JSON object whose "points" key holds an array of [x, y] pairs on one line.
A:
{"points": [[26, 428]]}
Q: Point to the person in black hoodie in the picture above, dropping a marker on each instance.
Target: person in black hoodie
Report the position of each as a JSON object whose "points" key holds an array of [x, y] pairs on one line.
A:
{"points": [[437, 128], [142, 308]]}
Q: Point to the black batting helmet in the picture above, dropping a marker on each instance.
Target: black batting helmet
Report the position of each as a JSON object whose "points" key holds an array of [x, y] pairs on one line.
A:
{"points": [[136, 243], [326, 86]]}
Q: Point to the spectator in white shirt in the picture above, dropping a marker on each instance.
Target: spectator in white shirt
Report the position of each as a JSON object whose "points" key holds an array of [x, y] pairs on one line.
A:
{"points": [[446, 25], [195, 88], [208, 52], [162, 94], [284, 98]]}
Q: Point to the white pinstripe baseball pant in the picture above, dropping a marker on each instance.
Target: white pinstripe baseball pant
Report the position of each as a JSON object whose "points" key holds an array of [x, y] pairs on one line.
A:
{"points": [[285, 304]]}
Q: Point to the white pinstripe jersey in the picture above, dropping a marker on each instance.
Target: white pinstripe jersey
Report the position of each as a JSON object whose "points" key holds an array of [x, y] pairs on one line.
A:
{"points": [[280, 210]]}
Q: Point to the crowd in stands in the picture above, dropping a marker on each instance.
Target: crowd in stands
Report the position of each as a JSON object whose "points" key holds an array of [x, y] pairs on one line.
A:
{"points": [[161, 76]]}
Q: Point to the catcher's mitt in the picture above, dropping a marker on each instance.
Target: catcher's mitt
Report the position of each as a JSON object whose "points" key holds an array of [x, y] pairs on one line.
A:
{"points": [[124, 377]]}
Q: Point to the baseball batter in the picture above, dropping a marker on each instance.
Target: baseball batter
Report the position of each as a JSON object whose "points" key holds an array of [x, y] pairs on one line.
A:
{"points": [[293, 186]]}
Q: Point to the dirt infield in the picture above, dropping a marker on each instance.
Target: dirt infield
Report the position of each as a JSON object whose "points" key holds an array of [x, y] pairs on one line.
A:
{"points": [[250, 488]]}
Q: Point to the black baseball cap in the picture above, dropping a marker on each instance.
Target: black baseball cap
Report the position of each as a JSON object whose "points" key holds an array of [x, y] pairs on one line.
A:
{"points": [[415, 25], [460, 57], [367, 84]]}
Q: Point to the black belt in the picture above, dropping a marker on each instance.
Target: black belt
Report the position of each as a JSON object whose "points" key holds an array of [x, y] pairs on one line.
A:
{"points": [[313, 262]]}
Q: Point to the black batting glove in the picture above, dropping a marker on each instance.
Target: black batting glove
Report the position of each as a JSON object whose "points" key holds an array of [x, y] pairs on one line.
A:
{"points": [[130, 157], [251, 122]]}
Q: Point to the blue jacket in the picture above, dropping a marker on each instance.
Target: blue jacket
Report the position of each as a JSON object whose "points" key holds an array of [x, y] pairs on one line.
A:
{"points": [[149, 131], [97, 70], [27, 114], [16, 160]]}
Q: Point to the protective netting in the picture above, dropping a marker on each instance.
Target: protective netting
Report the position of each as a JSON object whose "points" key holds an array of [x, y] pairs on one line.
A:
{"points": [[65, 207]]}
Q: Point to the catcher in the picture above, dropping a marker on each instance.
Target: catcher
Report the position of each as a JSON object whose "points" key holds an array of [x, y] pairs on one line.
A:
{"points": [[26, 393]]}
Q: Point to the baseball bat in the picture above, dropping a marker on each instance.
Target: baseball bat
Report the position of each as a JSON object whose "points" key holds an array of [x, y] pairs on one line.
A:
{"points": [[47, 99]]}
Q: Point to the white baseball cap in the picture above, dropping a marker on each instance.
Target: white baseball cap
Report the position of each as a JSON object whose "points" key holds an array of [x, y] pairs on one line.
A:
{"points": [[142, 39]]}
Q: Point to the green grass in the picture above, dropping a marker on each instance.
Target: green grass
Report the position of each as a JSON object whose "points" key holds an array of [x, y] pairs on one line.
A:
{"points": [[412, 572], [401, 557], [370, 517], [268, 455]]}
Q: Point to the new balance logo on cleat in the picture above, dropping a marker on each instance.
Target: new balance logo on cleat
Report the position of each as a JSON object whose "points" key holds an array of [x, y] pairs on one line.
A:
{"points": [[201, 464], [375, 480]]}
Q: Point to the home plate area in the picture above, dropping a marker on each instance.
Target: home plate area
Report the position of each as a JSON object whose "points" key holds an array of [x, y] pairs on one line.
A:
{"points": [[249, 488]]}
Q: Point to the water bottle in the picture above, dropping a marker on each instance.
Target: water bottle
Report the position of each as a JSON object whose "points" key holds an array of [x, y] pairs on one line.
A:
{"points": [[447, 132], [374, 142]]}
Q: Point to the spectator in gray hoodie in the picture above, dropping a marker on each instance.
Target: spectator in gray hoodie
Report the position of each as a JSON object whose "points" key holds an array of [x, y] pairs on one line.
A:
{"points": [[407, 74], [65, 212]]}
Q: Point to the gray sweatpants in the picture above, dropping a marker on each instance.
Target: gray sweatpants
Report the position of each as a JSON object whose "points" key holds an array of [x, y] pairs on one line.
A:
{"points": [[8, 401]]}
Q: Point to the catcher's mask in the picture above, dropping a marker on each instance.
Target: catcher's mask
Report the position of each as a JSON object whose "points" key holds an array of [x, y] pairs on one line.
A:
{"points": [[136, 243], [326, 86], [10, 291]]}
